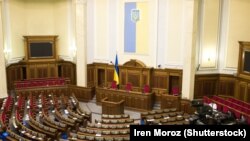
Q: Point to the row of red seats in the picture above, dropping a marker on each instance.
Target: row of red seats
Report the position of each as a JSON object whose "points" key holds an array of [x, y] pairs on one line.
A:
{"points": [[31, 114], [21, 85], [241, 103], [146, 88], [8, 105], [33, 104], [4, 118], [232, 104], [44, 100], [18, 116], [225, 108], [21, 103]]}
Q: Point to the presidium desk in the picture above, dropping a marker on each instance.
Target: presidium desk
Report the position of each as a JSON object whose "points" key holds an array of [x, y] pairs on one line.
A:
{"points": [[132, 100]]}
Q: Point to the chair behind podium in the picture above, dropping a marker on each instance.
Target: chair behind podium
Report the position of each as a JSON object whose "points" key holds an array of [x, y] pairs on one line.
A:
{"points": [[129, 87], [113, 85], [146, 89], [175, 91]]}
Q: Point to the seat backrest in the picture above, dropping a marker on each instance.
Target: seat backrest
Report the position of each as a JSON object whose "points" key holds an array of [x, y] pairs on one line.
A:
{"points": [[146, 89], [175, 91], [113, 85], [129, 87]]}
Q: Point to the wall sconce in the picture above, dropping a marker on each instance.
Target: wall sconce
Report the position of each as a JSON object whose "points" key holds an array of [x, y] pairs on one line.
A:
{"points": [[7, 52]]}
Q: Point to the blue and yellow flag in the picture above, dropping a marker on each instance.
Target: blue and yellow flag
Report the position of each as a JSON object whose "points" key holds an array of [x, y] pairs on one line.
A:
{"points": [[136, 27], [116, 72]]}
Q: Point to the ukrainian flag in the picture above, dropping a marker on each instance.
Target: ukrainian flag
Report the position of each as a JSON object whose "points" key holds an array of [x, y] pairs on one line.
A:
{"points": [[136, 27], [116, 72]]}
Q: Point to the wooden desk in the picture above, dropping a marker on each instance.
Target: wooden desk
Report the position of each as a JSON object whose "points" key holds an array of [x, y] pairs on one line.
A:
{"points": [[170, 101], [133, 100], [81, 93], [112, 108]]}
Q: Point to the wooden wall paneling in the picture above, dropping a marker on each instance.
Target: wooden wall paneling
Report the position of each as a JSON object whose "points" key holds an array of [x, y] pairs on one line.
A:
{"points": [[145, 80], [242, 90], [11, 77], [205, 85], [69, 71], [123, 77], [110, 75], [31, 73], [90, 75], [210, 87], [160, 79], [247, 95], [134, 78], [226, 85], [159, 83], [53, 70], [174, 80], [100, 74], [41, 71]]}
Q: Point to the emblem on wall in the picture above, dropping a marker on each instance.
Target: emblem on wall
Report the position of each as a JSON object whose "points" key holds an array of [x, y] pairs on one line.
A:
{"points": [[135, 15]]}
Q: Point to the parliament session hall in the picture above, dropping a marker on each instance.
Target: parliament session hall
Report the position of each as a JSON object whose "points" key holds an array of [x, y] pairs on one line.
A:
{"points": [[89, 70]]}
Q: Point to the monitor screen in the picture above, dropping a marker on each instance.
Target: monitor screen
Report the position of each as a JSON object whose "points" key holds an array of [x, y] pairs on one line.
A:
{"points": [[246, 61], [41, 50]]}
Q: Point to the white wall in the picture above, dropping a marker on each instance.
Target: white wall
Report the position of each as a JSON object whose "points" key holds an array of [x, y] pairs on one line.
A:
{"points": [[3, 83], [15, 26], [238, 29], [220, 41], [171, 43], [38, 17], [174, 46], [64, 26], [106, 30], [209, 29]]}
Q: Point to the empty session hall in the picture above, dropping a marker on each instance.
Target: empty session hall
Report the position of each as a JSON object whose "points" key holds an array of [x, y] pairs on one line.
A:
{"points": [[92, 69]]}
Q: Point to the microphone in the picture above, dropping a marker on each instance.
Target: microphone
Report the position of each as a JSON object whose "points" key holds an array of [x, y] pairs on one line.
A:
{"points": [[111, 62]]}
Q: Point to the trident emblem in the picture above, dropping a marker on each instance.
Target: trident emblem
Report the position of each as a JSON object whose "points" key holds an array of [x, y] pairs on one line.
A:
{"points": [[135, 15]]}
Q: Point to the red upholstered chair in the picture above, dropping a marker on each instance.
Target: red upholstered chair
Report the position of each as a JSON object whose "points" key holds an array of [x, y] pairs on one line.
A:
{"points": [[129, 87], [237, 114], [146, 89], [225, 109], [175, 91], [113, 85]]}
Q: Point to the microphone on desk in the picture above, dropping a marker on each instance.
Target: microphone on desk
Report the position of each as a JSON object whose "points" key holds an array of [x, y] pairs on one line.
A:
{"points": [[111, 63]]}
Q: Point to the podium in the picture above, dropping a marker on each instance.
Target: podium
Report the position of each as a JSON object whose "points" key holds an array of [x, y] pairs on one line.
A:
{"points": [[170, 101], [112, 108]]}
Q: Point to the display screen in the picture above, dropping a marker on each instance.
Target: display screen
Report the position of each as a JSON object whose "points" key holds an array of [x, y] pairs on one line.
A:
{"points": [[41, 50], [246, 61]]}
